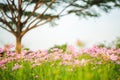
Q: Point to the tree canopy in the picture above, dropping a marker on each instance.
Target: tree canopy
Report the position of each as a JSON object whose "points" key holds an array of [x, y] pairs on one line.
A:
{"points": [[20, 16]]}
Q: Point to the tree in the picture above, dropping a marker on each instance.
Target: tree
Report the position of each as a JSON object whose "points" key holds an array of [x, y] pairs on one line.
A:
{"points": [[114, 44], [20, 16]]}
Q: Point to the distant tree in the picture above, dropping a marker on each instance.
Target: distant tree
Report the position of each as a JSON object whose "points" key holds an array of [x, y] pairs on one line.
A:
{"points": [[113, 44], [20, 16], [116, 43], [58, 47]]}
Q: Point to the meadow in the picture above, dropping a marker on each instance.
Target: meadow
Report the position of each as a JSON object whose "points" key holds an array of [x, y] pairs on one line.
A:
{"points": [[93, 63]]}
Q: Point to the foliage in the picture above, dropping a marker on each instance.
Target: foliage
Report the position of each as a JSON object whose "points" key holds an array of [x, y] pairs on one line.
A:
{"points": [[115, 44], [74, 64], [57, 47]]}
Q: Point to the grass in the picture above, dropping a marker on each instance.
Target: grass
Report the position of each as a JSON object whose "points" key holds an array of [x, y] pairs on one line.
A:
{"points": [[54, 71]]}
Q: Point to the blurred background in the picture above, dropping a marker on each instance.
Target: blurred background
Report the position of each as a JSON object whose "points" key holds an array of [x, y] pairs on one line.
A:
{"points": [[70, 30]]}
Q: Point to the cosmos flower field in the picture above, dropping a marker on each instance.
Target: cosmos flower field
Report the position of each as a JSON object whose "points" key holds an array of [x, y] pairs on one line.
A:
{"points": [[93, 63]]}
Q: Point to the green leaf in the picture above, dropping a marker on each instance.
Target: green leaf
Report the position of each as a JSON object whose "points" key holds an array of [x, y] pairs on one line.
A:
{"points": [[4, 7]]}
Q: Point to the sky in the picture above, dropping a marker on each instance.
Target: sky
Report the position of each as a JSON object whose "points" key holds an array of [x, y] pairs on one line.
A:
{"points": [[70, 29]]}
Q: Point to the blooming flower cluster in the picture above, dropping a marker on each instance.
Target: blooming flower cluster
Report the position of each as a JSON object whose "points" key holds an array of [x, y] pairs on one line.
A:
{"points": [[72, 56], [16, 66], [1, 50]]}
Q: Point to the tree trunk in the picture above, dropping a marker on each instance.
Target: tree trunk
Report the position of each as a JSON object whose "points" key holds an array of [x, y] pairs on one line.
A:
{"points": [[18, 44]]}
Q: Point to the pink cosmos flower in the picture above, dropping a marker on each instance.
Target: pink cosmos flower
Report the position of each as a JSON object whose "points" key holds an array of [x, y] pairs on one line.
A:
{"points": [[3, 61], [67, 57], [113, 57], [118, 51], [71, 49], [1, 50], [118, 62], [83, 62], [16, 66], [56, 57], [76, 62]]}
